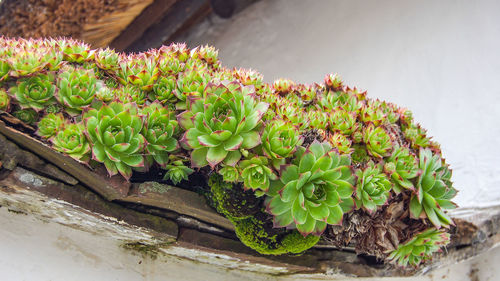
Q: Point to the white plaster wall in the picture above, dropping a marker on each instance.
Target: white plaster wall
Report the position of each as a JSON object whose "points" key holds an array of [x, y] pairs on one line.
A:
{"points": [[441, 59]]}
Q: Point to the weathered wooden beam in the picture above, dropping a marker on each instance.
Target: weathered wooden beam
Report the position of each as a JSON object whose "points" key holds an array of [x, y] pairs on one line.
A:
{"points": [[173, 20], [149, 16]]}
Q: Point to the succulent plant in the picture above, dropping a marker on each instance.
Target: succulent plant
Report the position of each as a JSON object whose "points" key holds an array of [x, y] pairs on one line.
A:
{"points": [[50, 124], [256, 174], [378, 141], [372, 112], [35, 92], [159, 128], [179, 50], [317, 119], [333, 82], [163, 90], [416, 136], [28, 116], [434, 190], [4, 100], [170, 65], [177, 170], [139, 70], [72, 141], [249, 77], [340, 142], [313, 191], [25, 62], [207, 53], [307, 93], [190, 83], [130, 93], [331, 101], [401, 166], [75, 51], [420, 248], [343, 121], [230, 173], [77, 88], [107, 59], [283, 86], [114, 132], [279, 141], [372, 188], [220, 124]]}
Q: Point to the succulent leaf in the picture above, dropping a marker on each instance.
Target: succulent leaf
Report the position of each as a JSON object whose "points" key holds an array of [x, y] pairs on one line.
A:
{"points": [[71, 141], [372, 188], [50, 124]]}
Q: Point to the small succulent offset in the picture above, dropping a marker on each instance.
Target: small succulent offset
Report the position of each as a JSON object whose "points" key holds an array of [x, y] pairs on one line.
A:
{"points": [[434, 190], [230, 173], [401, 166], [280, 139], [373, 187], [35, 92], [256, 174], [72, 141], [220, 124], [159, 128], [420, 248], [313, 191], [114, 132], [177, 170], [50, 124]]}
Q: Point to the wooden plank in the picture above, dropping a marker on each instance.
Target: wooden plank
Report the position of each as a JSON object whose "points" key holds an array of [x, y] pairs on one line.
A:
{"points": [[178, 200], [148, 17], [110, 188], [172, 21]]}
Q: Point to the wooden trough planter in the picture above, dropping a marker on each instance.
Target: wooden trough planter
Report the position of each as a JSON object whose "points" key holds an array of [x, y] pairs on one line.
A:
{"points": [[159, 219]]}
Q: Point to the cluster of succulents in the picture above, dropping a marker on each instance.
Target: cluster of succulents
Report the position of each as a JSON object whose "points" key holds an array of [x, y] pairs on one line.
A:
{"points": [[310, 153]]}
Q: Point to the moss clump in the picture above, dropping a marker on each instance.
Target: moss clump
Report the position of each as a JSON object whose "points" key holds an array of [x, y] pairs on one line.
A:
{"points": [[255, 234], [231, 200]]}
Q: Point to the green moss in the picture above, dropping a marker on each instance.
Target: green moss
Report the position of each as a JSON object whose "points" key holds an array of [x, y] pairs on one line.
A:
{"points": [[231, 201], [252, 232]]}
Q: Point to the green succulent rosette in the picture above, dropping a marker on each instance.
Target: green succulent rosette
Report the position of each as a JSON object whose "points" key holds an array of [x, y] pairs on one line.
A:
{"points": [[230, 173], [139, 70], [378, 141], [4, 69], [77, 88], [280, 140], [158, 130], [28, 116], [434, 190], [190, 83], [343, 121], [71, 141], [170, 65], [75, 51], [340, 142], [114, 131], [50, 124], [256, 174], [35, 92], [416, 136], [401, 166], [372, 188], [420, 248], [313, 191], [25, 62], [107, 59], [177, 170], [222, 123], [4, 100], [163, 90]]}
